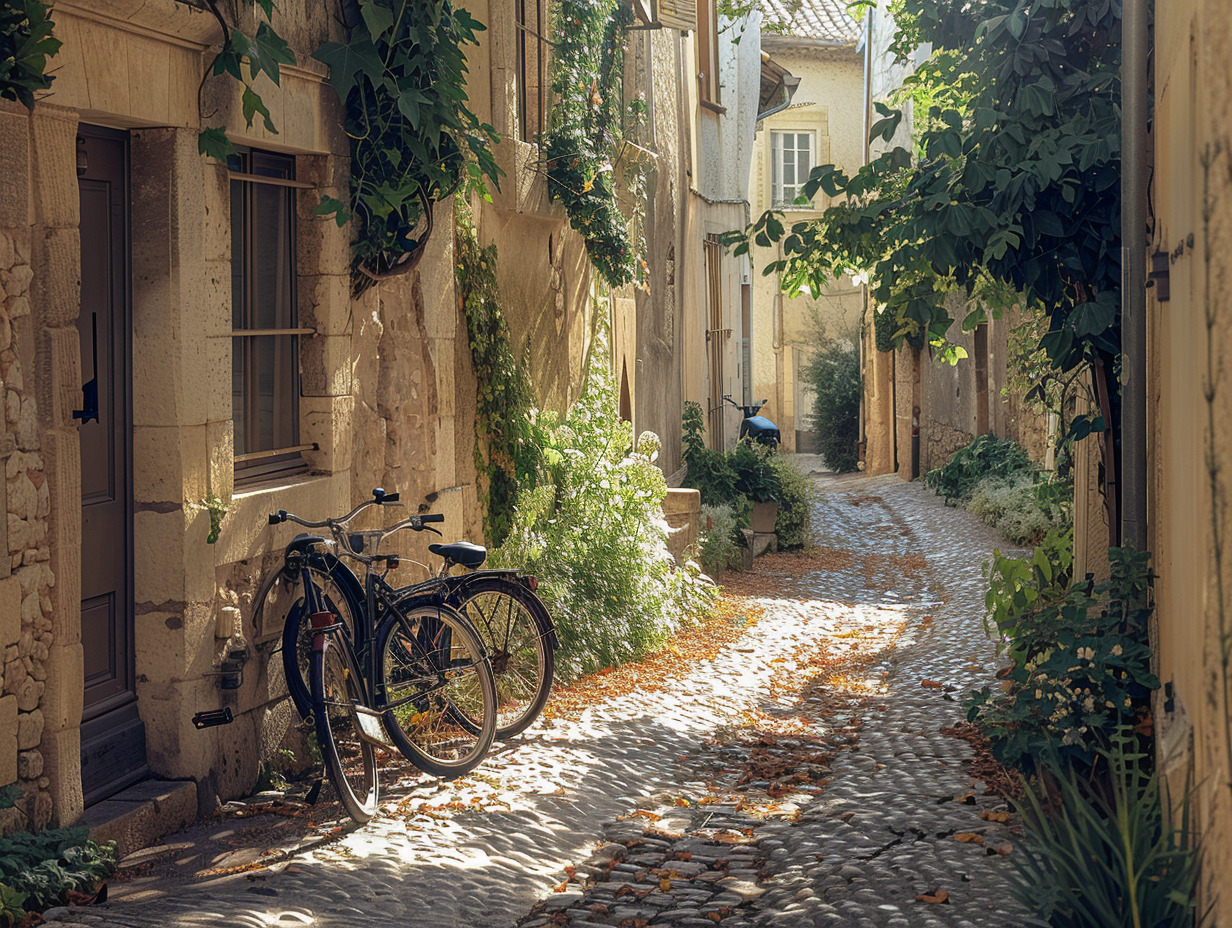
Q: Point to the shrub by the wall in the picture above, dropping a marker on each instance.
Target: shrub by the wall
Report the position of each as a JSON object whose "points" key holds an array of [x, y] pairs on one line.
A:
{"points": [[718, 550], [593, 531], [834, 374], [794, 525]]}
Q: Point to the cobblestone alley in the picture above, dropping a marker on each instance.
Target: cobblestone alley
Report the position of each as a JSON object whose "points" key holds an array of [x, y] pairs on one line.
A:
{"points": [[800, 777]]}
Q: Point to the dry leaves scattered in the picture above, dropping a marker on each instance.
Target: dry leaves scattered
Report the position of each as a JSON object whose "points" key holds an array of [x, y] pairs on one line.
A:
{"points": [[727, 622], [983, 766]]}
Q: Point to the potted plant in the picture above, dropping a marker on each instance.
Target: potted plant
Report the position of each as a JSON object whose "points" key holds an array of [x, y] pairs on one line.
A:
{"points": [[757, 480]]}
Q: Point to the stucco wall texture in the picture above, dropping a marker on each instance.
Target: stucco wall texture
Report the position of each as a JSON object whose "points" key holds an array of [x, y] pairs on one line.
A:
{"points": [[1190, 349]]}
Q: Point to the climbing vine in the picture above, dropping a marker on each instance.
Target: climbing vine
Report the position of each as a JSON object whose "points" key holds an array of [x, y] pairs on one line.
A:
{"points": [[245, 57], [402, 74], [585, 129], [26, 43], [504, 453]]}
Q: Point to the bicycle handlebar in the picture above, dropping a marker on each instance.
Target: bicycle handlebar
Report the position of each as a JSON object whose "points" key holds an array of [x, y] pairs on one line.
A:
{"points": [[338, 527]]}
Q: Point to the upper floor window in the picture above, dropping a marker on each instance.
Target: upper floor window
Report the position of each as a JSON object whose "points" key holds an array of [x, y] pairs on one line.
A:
{"points": [[265, 337], [531, 19], [791, 159], [708, 52]]}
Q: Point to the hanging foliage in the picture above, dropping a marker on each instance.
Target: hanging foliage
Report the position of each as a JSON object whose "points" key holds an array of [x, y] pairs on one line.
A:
{"points": [[504, 454], [26, 43], [585, 129], [402, 74]]}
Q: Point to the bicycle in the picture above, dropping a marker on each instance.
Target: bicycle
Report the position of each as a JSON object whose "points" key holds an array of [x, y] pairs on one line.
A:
{"points": [[501, 605], [410, 675]]}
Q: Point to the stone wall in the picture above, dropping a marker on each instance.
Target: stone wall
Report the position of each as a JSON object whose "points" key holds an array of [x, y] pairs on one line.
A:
{"points": [[27, 580]]}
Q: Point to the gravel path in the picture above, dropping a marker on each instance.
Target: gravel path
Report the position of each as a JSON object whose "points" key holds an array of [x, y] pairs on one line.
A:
{"points": [[799, 778]]}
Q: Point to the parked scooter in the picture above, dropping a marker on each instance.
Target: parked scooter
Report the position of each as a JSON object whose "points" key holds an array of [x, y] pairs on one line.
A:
{"points": [[754, 427]]}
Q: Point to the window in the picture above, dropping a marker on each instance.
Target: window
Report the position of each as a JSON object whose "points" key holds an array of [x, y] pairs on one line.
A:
{"points": [[708, 54], [791, 157], [265, 337], [531, 18]]}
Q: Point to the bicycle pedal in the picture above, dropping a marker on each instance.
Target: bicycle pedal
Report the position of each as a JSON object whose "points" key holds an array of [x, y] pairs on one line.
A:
{"points": [[211, 717]]}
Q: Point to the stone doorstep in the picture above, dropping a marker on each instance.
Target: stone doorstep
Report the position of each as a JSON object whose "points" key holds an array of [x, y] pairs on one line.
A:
{"points": [[142, 814]]}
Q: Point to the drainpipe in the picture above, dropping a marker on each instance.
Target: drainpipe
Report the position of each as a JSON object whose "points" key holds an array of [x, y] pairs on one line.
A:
{"points": [[1134, 26]]}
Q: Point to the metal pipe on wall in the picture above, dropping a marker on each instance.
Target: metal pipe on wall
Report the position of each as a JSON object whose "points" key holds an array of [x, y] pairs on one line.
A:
{"points": [[1134, 51]]}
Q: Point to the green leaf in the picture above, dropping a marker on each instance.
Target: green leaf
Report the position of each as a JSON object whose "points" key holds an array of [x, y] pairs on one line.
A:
{"points": [[346, 61], [332, 207], [253, 104], [378, 18], [214, 144]]}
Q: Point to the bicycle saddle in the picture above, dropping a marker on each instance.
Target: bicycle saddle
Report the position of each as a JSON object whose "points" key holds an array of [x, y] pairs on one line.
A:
{"points": [[461, 552]]}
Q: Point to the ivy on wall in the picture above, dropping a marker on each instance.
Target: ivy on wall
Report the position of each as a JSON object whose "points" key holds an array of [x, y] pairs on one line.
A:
{"points": [[585, 128], [245, 57], [504, 452], [402, 75], [26, 43]]}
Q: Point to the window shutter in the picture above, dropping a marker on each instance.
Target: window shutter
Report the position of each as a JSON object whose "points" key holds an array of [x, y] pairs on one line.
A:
{"points": [[675, 14]]}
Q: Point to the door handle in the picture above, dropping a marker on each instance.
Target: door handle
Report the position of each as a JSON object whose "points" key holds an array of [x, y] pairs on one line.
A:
{"points": [[89, 389]]}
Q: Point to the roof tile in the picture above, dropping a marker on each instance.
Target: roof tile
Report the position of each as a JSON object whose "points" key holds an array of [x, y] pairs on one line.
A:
{"points": [[812, 19]]}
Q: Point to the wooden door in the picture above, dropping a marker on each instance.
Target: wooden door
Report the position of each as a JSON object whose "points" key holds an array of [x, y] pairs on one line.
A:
{"points": [[112, 734]]}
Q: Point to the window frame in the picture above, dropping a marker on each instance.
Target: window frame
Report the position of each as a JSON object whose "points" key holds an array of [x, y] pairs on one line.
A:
{"points": [[708, 89], [249, 169], [777, 200], [532, 120]]}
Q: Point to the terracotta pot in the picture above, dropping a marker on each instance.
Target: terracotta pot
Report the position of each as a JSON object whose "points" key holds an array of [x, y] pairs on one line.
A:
{"points": [[764, 517]]}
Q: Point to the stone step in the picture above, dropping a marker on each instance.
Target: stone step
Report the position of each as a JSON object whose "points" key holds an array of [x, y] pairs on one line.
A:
{"points": [[142, 814]]}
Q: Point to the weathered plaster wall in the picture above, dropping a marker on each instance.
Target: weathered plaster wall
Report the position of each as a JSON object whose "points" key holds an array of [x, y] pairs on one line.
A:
{"points": [[1187, 511]]}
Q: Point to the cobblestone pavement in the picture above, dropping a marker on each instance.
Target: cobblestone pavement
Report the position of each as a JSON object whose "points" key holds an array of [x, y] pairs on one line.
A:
{"points": [[799, 778]]}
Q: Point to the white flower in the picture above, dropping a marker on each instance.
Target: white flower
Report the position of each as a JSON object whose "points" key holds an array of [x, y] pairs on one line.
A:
{"points": [[1117, 650]]}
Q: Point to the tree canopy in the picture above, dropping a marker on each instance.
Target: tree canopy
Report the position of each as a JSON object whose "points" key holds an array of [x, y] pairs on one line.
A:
{"points": [[1011, 184]]}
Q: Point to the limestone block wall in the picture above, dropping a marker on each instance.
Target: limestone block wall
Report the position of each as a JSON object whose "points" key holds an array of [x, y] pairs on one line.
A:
{"points": [[36, 237]]}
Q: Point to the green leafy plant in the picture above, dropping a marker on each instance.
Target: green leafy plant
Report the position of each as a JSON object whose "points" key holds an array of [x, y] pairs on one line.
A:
{"points": [[793, 527], [26, 42], [402, 77], [1104, 852], [12, 906], [245, 57], [39, 869], [833, 371], [506, 456], [718, 550], [585, 127], [218, 511], [748, 473], [1080, 671], [1011, 180], [986, 456], [592, 529]]}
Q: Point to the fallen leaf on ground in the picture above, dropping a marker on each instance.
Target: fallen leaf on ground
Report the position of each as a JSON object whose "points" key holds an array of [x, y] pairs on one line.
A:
{"points": [[989, 816], [967, 837], [931, 684], [937, 898]]}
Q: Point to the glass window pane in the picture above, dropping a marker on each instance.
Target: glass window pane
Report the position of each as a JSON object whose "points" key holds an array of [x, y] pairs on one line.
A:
{"points": [[237, 255], [271, 255], [272, 400], [239, 412]]}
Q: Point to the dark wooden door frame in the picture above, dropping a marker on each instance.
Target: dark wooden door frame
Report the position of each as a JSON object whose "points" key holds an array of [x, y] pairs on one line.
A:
{"points": [[112, 734]]}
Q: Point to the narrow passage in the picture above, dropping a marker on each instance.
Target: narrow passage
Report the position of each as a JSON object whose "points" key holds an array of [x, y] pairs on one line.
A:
{"points": [[798, 776]]}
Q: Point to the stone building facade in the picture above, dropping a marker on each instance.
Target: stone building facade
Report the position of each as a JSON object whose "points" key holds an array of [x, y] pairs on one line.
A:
{"points": [[115, 232], [822, 125]]}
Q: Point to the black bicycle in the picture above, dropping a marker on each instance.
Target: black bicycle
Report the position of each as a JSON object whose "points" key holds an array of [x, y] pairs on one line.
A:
{"points": [[381, 670], [501, 605]]}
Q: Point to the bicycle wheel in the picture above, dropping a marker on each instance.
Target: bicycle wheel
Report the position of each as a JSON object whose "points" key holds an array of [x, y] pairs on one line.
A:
{"points": [[438, 694], [297, 633], [515, 629], [349, 760]]}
